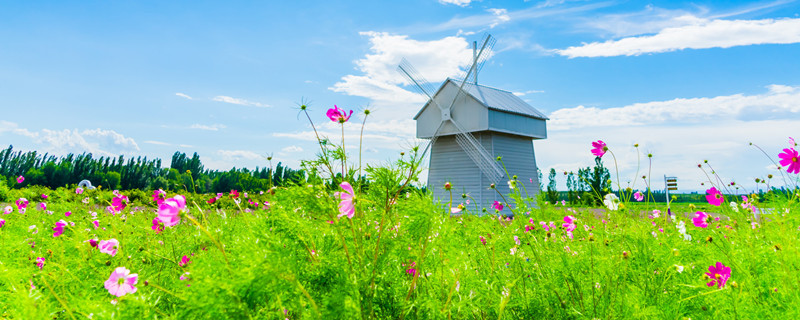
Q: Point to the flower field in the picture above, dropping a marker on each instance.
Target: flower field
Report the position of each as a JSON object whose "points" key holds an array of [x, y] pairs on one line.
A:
{"points": [[344, 248]]}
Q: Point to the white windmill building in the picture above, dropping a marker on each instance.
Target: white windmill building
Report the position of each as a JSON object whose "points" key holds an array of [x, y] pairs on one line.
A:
{"points": [[469, 126]]}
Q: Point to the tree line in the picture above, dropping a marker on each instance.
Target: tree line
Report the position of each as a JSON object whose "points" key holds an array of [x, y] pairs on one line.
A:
{"points": [[184, 173]]}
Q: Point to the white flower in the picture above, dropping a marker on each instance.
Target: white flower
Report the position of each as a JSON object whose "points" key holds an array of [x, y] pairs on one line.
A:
{"points": [[512, 184], [679, 268], [734, 206], [611, 201]]}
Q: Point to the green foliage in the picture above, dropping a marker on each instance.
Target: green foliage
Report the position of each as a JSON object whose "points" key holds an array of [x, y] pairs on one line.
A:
{"points": [[552, 192]]}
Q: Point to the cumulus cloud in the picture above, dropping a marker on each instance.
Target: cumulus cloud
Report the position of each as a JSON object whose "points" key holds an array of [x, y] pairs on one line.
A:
{"points": [[97, 141], [241, 102], [292, 149], [233, 155], [183, 95], [213, 127], [779, 101], [695, 33], [460, 3]]}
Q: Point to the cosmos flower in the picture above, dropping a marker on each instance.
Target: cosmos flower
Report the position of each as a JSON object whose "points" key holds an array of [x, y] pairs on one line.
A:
{"points": [[338, 115], [789, 159], [497, 206], [700, 219], [8, 210], [109, 246], [78, 190], [59, 229], [169, 210], [20, 179], [346, 206], [638, 196], [184, 261], [611, 201], [22, 204], [719, 275], [121, 282], [159, 196], [599, 148], [40, 262], [714, 197]]}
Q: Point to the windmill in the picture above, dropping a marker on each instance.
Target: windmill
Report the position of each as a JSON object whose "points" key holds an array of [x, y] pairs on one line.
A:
{"points": [[469, 126]]}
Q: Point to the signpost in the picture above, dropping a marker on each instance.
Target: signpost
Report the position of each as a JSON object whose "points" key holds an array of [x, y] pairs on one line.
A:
{"points": [[670, 184]]}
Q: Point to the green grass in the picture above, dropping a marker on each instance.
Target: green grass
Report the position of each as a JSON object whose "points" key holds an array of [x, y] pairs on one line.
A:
{"points": [[358, 268]]}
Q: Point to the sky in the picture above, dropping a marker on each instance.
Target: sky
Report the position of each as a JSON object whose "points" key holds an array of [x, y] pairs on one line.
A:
{"points": [[686, 81]]}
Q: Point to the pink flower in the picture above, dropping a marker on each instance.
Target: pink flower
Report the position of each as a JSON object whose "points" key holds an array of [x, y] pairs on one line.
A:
{"points": [[159, 196], [599, 148], [546, 227], [96, 224], [93, 243], [121, 282], [212, 200], [699, 219], [2, 223], [42, 206], [411, 270], [789, 159], [569, 224], [22, 203], [714, 197], [118, 203], [483, 240], [169, 210], [44, 196], [78, 190], [68, 213], [184, 261], [719, 275], [266, 205], [638, 196], [59, 229], [8, 210], [454, 210], [234, 194], [40, 262], [338, 115], [157, 227], [516, 240], [346, 206], [20, 179], [109, 246], [497, 206]]}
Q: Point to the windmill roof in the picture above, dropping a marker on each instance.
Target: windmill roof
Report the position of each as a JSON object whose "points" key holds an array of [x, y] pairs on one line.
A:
{"points": [[497, 99]]}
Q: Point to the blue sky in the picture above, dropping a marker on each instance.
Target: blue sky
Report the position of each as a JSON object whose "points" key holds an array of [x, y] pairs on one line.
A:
{"points": [[687, 81]]}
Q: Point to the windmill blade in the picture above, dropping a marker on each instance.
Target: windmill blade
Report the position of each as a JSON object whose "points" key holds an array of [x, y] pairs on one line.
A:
{"points": [[486, 46], [478, 153], [413, 76]]}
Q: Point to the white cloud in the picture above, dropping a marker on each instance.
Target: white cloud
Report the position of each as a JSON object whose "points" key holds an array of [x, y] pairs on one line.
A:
{"points": [[158, 143], [97, 141], [681, 133], [213, 127], [697, 33], [241, 102], [183, 95], [233, 155], [460, 3], [501, 16], [292, 149], [779, 101], [520, 94]]}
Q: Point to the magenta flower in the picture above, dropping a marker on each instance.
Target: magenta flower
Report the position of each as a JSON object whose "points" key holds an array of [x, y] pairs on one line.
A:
{"points": [[411, 270], [346, 206], [569, 224], [546, 227], [22, 204], [96, 224], [516, 240], [159, 196], [234, 194], [212, 200], [338, 115], [184, 261], [169, 210], [20, 179], [483, 240], [109, 246], [718, 274], [59, 229], [700, 219], [44, 196], [157, 226], [8, 210], [78, 190], [40, 262], [42, 206], [121, 282], [93, 243], [638, 196], [497, 206], [2, 223], [599, 148], [714, 197], [789, 159]]}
